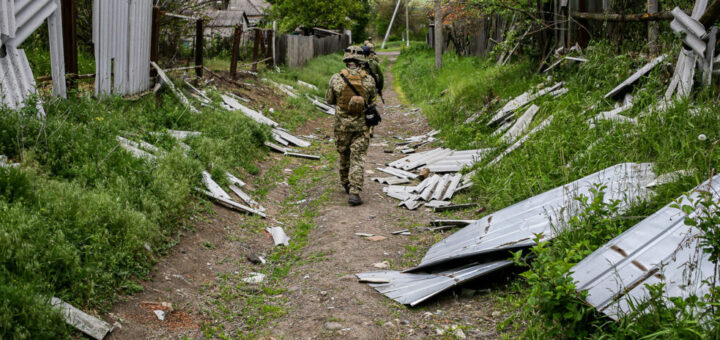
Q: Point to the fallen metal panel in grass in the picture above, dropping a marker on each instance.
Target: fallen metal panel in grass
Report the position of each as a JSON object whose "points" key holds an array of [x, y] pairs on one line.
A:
{"points": [[413, 289], [659, 249], [517, 226]]}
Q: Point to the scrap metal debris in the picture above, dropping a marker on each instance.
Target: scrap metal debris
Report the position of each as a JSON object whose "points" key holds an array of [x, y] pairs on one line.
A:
{"points": [[629, 82], [164, 79], [86, 323], [217, 193], [279, 236], [520, 101], [413, 289], [661, 249], [515, 227]]}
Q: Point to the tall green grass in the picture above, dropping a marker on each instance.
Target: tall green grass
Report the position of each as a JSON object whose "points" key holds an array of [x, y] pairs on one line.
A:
{"points": [[84, 220]]}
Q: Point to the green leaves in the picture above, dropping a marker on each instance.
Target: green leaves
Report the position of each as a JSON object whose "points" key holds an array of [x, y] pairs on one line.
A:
{"points": [[309, 13]]}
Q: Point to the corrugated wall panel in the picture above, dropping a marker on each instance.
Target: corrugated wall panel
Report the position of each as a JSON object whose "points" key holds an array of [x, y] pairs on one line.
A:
{"points": [[7, 19], [121, 32], [29, 17], [17, 82]]}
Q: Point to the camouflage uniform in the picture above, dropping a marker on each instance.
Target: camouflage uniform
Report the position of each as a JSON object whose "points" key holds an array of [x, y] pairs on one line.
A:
{"points": [[352, 136]]}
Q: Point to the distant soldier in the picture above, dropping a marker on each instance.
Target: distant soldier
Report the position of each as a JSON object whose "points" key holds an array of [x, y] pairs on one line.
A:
{"points": [[372, 67], [351, 91], [369, 43]]}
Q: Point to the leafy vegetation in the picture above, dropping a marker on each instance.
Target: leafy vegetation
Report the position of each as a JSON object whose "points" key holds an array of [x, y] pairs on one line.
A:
{"points": [[84, 220], [545, 303]]}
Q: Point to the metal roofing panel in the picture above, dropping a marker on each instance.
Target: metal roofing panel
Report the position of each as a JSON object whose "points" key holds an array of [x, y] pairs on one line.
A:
{"points": [[29, 16], [413, 289], [659, 249], [516, 226], [121, 33], [7, 19], [635, 77], [17, 82], [521, 141]]}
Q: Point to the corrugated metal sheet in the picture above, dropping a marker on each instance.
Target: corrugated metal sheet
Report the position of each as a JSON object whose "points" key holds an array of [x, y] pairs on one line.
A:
{"points": [[19, 19], [121, 33], [17, 82], [516, 226], [29, 15], [659, 249], [7, 20], [413, 289]]}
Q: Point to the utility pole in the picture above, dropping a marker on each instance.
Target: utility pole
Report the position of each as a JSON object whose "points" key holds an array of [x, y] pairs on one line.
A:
{"points": [[438, 33], [387, 34], [407, 23]]}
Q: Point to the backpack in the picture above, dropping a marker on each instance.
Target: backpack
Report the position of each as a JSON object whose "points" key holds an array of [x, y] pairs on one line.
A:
{"points": [[349, 101]]}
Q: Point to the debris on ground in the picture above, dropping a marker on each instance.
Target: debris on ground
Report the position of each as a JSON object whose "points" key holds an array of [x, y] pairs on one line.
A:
{"points": [[255, 278], [84, 322], [659, 249], [279, 236], [445, 264]]}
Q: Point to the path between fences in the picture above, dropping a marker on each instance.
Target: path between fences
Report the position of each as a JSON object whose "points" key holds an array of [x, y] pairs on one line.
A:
{"points": [[196, 284]]}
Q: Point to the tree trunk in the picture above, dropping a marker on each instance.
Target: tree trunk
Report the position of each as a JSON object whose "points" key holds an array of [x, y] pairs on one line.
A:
{"points": [[653, 28], [438, 34]]}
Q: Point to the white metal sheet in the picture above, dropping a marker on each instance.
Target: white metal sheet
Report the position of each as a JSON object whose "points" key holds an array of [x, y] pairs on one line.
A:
{"points": [[659, 249]]}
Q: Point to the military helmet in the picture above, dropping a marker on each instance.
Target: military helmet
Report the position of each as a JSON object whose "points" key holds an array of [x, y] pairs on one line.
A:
{"points": [[353, 53]]}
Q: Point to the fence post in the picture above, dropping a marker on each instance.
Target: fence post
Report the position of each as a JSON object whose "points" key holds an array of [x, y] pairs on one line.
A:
{"points": [[155, 39], [69, 18], [263, 51], [235, 51], [270, 48], [199, 46], [256, 48], [653, 28]]}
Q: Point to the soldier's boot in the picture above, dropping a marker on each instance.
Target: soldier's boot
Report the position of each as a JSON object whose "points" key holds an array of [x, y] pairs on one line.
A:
{"points": [[354, 200]]}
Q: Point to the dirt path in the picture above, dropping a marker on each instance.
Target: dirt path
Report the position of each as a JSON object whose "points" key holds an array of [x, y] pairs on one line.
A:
{"points": [[310, 291]]}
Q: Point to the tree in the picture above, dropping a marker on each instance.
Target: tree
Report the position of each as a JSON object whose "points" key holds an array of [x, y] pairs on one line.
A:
{"points": [[310, 13]]}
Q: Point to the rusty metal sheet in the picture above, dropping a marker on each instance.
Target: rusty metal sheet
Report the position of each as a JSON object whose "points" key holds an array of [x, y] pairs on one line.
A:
{"points": [[517, 226], [659, 249]]}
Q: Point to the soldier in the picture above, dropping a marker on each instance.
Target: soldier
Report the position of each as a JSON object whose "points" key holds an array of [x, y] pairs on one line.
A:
{"points": [[372, 67], [369, 43], [351, 91]]}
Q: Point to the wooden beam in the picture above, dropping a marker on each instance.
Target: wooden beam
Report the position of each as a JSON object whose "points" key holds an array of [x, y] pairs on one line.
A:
{"points": [[644, 17], [256, 47], [199, 46], [270, 48], [155, 38], [69, 23], [235, 51]]}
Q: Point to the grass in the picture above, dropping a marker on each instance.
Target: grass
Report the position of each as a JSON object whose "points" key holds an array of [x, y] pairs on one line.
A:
{"points": [[84, 220], [568, 149]]}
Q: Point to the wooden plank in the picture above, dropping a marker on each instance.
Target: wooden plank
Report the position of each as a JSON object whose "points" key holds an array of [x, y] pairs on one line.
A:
{"points": [[235, 51], [69, 17], [256, 47], [155, 38], [199, 46]]}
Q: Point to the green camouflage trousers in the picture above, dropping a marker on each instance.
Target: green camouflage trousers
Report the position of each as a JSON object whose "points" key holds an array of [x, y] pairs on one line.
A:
{"points": [[352, 147]]}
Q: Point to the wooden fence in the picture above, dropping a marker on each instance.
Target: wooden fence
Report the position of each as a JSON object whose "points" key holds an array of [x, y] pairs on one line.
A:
{"points": [[295, 50]]}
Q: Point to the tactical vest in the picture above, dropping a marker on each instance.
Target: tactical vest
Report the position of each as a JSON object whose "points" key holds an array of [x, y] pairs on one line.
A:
{"points": [[347, 102]]}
